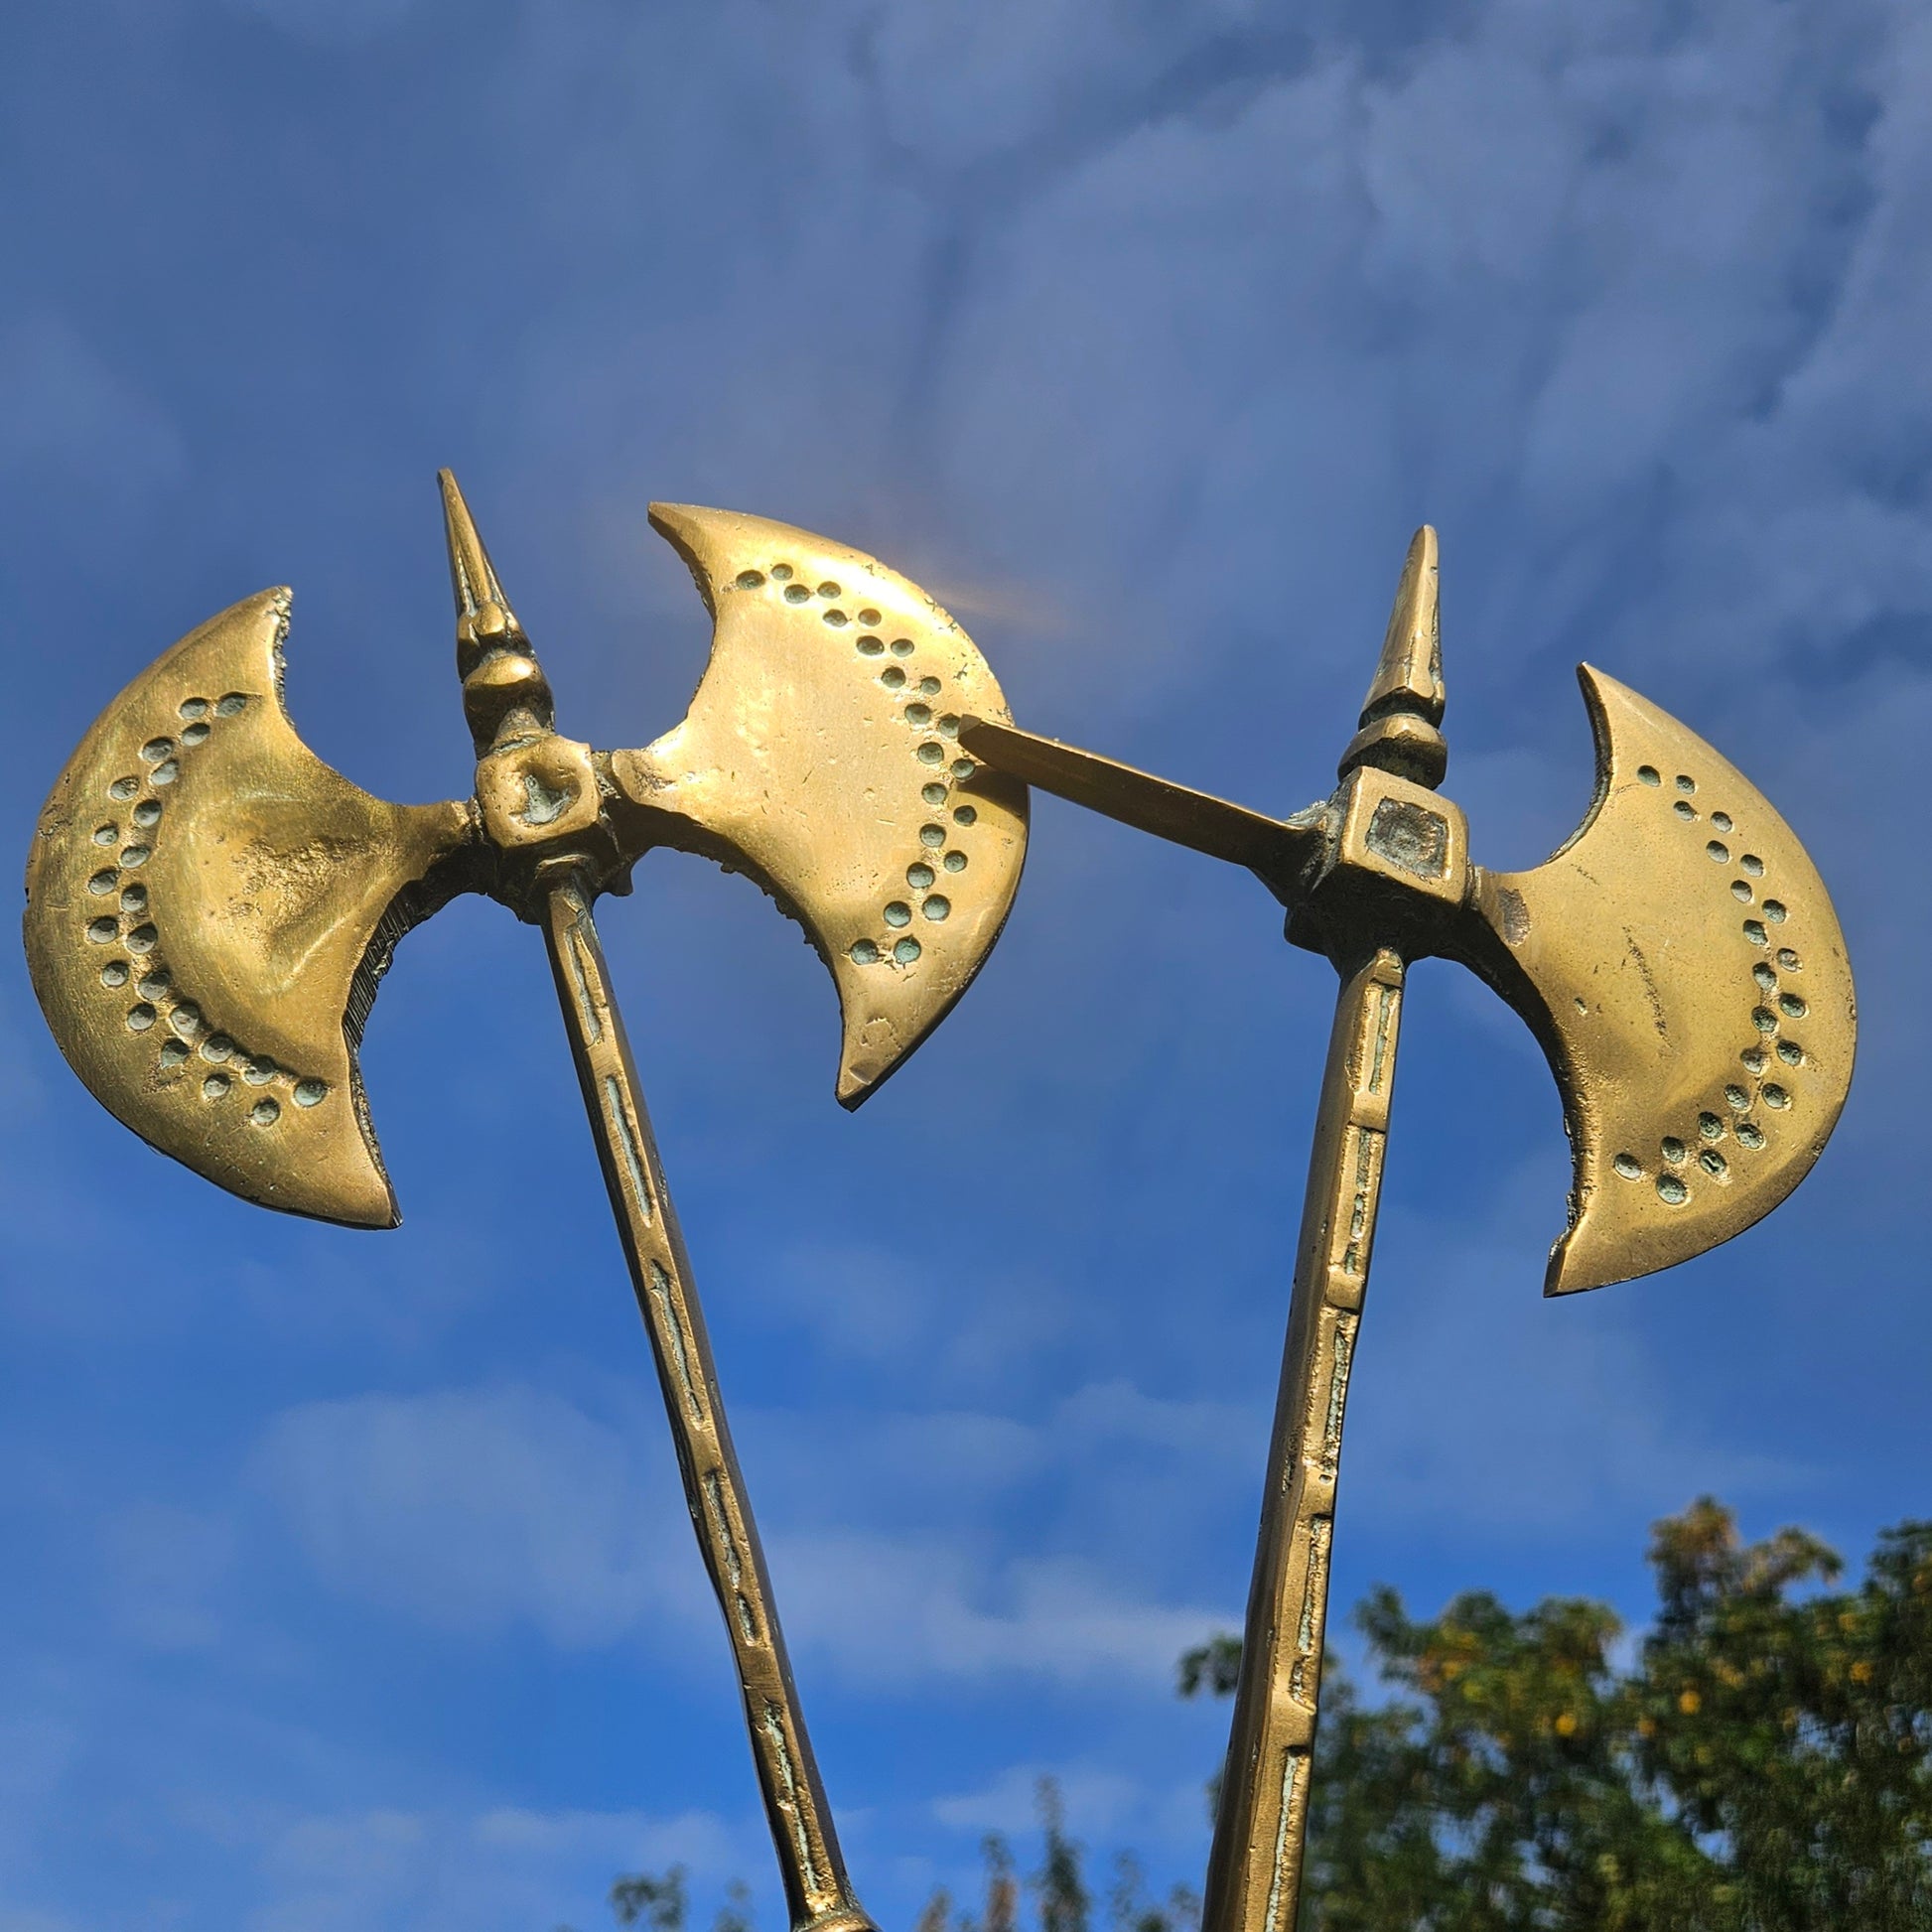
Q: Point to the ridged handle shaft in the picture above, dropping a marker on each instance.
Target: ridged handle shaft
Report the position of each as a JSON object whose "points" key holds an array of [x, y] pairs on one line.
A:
{"points": [[818, 1894], [1254, 1871]]}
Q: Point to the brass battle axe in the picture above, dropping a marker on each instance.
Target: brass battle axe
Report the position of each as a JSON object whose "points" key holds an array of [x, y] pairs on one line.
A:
{"points": [[210, 908], [1678, 959]]}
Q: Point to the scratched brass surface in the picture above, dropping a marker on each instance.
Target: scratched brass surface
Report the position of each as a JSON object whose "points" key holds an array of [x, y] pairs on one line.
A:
{"points": [[817, 1892], [1274, 850], [821, 755], [1403, 712], [208, 908], [206, 946], [1253, 1867], [1680, 960]]}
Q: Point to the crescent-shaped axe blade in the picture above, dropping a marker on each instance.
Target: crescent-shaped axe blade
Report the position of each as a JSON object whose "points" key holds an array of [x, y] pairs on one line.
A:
{"points": [[209, 910], [820, 755], [1679, 962]]}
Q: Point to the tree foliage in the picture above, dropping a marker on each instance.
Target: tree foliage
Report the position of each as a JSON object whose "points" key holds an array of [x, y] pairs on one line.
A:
{"points": [[1761, 1763], [654, 1900], [1057, 1887], [1760, 1760]]}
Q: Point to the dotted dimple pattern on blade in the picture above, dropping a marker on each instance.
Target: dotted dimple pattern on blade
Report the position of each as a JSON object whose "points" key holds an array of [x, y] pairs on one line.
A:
{"points": [[201, 894], [1687, 973], [822, 748]]}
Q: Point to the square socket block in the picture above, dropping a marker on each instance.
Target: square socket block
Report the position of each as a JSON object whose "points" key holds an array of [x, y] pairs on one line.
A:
{"points": [[1394, 830], [536, 793]]}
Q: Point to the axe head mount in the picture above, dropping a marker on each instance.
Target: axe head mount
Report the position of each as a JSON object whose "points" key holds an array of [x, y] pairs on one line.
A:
{"points": [[1678, 958], [210, 906]]}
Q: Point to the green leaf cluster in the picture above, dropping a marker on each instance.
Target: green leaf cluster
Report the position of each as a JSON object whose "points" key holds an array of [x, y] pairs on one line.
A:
{"points": [[1759, 1761]]}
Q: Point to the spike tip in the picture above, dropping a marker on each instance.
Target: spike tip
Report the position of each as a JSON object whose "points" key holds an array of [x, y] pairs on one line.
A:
{"points": [[1403, 712], [504, 692]]}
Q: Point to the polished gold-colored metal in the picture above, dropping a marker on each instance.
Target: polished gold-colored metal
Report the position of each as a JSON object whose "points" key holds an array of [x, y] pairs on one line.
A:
{"points": [[1678, 958], [1255, 1866], [821, 755], [817, 1893], [1681, 964], [210, 908], [543, 803], [1276, 850], [1404, 709]]}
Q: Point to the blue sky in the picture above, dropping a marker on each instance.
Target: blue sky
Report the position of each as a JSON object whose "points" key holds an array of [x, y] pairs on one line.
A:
{"points": [[346, 1583]]}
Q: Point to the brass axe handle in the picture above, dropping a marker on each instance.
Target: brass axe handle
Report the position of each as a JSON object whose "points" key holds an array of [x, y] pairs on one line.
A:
{"points": [[818, 1893], [1253, 1869], [1276, 850], [1679, 960]]}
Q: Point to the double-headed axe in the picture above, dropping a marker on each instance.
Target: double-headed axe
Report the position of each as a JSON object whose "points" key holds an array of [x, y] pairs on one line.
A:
{"points": [[210, 908], [1681, 964]]}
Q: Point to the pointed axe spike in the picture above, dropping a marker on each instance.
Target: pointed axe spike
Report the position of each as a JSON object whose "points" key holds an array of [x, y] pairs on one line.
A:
{"points": [[821, 755], [209, 910], [484, 618], [1679, 962], [504, 691], [472, 577], [1409, 674], [1402, 716]]}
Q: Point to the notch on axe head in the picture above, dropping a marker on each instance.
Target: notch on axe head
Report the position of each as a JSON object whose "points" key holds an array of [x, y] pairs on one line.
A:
{"points": [[1678, 959], [210, 908]]}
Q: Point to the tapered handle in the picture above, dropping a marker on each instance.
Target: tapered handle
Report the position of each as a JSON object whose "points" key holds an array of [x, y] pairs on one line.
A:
{"points": [[1254, 1871], [817, 1893]]}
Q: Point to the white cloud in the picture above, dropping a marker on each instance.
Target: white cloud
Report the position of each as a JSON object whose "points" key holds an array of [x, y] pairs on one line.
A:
{"points": [[495, 1871], [1095, 1801], [1168, 322], [477, 1510], [960, 1321], [1483, 1408], [888, 1613]]}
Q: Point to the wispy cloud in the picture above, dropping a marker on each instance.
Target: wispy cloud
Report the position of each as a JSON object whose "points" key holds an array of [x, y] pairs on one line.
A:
{"points": [[444, 1873], [478, 1510], [896, 1611]]}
